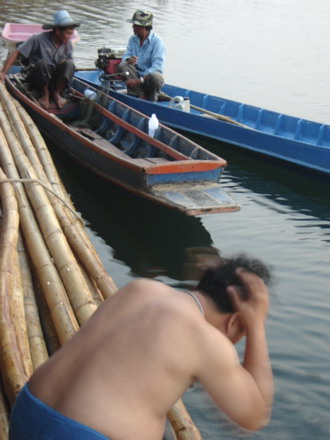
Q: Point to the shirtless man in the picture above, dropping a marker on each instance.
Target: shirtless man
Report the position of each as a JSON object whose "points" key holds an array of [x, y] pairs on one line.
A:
{"points": [[49, 55], [118, 377]]}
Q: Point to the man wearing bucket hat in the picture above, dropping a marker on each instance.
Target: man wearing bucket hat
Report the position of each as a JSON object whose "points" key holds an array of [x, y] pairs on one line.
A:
{"points": [[144, 58], [49, 57]]}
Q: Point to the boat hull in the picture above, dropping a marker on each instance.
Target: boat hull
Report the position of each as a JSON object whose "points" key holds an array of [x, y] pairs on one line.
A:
{"points": [[296, 141], [189, 186]]}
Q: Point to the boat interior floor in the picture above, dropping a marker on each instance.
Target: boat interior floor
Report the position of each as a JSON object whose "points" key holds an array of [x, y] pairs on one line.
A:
{"points": [[111, 148]]}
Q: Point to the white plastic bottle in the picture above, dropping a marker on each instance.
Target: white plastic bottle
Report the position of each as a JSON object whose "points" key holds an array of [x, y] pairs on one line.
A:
{"points": [[153, 125], [90, 94]]}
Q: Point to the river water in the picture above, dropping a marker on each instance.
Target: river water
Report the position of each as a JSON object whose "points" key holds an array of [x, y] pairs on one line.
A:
{"points": [[274, 54]]}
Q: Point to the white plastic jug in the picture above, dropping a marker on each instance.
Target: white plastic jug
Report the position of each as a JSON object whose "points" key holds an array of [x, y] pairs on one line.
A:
{"points": [[180, 103], [90, 94], [153, 125]]}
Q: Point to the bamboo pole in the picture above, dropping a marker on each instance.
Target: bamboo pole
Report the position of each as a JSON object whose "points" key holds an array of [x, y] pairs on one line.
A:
{"points": [[178, 415], [39, 155], [97, 295], [49, 330], [13, 360], [18, 313], [80, 297], [73, 229], [36, 339], [182, 423], [4, 417], [51, 284]]}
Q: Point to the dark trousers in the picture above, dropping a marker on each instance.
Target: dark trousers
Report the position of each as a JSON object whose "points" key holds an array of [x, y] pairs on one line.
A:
{"points": [[151, 86], [41, 74]]}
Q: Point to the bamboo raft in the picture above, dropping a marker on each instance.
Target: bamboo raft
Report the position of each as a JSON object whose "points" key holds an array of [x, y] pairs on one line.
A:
{"points": [[51, 278]]}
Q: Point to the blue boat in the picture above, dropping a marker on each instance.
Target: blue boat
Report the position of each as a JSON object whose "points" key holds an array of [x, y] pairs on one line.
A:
{"points": [[113, 140], [299, 142]]}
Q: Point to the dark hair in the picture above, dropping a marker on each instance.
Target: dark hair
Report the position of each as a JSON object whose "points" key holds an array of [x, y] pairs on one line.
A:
{"points": [[216, 279], [63, 28]]}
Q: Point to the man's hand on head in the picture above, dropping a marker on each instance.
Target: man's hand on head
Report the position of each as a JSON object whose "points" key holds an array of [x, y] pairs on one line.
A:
{"points": [[254, 305]]}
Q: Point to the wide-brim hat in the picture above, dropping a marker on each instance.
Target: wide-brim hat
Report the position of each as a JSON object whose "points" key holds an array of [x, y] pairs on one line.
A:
{"points": [[141, 18], [61, 19]]}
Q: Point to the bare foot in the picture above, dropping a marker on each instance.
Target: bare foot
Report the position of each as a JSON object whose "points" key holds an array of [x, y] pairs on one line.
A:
{"points": [[44, 101], [60, 102]]}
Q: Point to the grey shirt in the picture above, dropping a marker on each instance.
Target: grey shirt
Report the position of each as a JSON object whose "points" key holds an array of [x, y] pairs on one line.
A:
{"points": [[41, 46]]}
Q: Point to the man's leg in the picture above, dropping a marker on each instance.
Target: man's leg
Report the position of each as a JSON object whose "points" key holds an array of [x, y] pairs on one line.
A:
{"points": [[38, 77], [59, 82], [152, 86], [132, 74]]}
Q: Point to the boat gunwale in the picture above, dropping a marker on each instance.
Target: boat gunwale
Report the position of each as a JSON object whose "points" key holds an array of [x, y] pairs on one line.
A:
{"points": [[184, 165], [272, 131], [143, 115]]}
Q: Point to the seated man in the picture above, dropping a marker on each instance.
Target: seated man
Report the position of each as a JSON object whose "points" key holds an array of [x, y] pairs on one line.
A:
{"points": [[118, 377], [144, 59], [49, 56]]}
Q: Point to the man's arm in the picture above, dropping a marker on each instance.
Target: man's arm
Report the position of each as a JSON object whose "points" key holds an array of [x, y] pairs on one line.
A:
{"points": [[129, 50], [158, 58], [243, 392], [253, 315], [9, 62]]}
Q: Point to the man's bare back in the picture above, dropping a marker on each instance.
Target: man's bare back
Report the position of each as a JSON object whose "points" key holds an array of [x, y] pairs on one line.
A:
{"points": [[132, 364], [143, 348]]}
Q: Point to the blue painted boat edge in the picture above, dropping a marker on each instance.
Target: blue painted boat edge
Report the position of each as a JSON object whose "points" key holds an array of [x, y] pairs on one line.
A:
{"points": [[315, 158], [296, 152]]}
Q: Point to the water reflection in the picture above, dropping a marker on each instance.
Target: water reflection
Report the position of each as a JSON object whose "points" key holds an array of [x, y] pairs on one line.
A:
{"points": [[289, 191], [150, 240]]}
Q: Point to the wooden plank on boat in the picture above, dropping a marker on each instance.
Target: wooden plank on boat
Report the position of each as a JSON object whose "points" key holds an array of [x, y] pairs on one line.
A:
{"points": [[110, 148], [208, 197], [101, 142]]}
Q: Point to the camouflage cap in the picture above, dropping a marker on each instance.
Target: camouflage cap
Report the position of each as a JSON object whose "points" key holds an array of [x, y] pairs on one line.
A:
{"points": [[141, 18]]}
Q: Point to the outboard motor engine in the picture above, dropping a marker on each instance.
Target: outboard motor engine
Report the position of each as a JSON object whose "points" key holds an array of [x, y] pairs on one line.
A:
{"points": [[108, 59], [103, 59]]}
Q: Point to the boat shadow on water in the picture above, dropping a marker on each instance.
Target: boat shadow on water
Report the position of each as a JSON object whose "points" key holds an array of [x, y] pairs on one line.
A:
{"points": [[151, 240]]}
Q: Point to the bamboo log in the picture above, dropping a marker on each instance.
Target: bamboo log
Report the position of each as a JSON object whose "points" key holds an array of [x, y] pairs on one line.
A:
{"points": [[182, 423], [18, 313], [39, 155], [179, 417], [36, 339], [49, 330], [51, 284], [4, 417], [13, 360], [72, 228], [97, 295], [75, 285]]}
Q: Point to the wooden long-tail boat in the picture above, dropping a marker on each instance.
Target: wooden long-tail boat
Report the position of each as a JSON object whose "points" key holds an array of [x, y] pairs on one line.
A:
{"points": [[112, 139]]}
